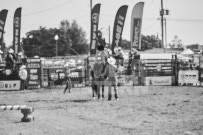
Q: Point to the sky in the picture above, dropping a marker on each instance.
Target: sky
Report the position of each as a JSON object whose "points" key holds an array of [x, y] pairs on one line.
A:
{"points": [[185, 17]]}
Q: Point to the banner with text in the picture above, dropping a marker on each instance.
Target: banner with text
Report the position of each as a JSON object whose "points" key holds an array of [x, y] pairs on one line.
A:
{"points": [[136, 24], [10, 85], [94, 28], [34, 73], [118, 27], [3, 15], [16, 30]]}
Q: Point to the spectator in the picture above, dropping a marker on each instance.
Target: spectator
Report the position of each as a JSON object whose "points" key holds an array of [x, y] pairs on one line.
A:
{"points": [[111, 73], [68, 83]]}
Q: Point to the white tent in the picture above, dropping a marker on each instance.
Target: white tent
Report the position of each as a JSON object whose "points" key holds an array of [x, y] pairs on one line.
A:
{"points": [[157, 56], [187, 52], [184, 58]]}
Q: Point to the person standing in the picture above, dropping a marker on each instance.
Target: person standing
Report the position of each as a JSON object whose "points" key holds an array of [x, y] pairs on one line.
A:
{"points": [[68, 81], [97, 71], [111, 73], [10, 60], [23, 77]]}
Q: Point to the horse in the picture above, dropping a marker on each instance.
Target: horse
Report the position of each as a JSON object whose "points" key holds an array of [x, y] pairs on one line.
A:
{"points": [[97, 80]]}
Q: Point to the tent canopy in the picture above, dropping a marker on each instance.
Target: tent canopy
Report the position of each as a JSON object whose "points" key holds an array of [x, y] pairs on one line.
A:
{"points": [[187, 52]]}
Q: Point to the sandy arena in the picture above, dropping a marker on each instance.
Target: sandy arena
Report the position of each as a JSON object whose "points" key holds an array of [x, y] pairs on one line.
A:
{"points": [[154, 110]]}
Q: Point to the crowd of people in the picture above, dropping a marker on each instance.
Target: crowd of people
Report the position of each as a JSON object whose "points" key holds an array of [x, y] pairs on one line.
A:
{"points": [[104, 70], [15, 66]]}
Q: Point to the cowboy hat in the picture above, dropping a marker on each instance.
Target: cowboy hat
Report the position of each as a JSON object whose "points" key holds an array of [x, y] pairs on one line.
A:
{"points": [[22, 67], [116, 49], [36, 56], [10, 51], [20, 53], [111, 61]]}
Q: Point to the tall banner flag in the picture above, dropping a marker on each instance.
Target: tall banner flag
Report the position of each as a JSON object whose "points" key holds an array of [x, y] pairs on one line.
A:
{"points": [[16, 30], [136, 25], [118, 26], [94, 28], [3, 15]]}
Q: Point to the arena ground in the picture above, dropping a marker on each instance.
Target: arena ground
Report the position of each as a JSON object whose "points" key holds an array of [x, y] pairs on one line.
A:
{"points": [[154, 110]]}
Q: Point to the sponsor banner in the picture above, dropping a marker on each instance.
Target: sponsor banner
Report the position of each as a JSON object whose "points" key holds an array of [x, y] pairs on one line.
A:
{"points": [[118, 27], [3, 16], [10, 85], [94, 28], [16, 30], [188, 76], [136, 33], [57, 75], [158, 80], [34, 73], [74, 75], [136, 25]]}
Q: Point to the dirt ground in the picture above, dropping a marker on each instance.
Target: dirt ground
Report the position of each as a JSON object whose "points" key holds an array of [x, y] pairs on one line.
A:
{"points": [[141, 110]]}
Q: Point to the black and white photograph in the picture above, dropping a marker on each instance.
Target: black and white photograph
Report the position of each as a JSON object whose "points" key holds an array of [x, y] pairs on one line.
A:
{"points": [[101, 67]]}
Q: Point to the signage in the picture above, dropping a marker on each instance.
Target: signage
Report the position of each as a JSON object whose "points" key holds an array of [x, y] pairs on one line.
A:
{"points": [[10, 85], [158, 80], [34, 73], [57, 75], [136, 32], [188, 76]]}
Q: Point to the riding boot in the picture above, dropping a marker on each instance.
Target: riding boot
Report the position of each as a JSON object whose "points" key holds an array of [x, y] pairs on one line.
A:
{"points": [[109, 97], [116, 96], [103, 92], [99, 97]]}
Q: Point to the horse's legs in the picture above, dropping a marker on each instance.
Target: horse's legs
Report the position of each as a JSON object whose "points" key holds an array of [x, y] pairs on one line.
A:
{"points": [[94, 90], [98, 91], [109, 92], [102, 91], [116, 91]]}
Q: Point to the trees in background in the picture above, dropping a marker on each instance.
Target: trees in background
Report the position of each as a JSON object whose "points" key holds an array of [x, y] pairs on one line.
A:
{"points": [[176, 43], [147, 42], [41, 42], [72, 41]]}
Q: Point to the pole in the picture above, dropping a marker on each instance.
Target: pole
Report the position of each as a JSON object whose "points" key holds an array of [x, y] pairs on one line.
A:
{"points": [[165, 34], [33, 53], [162, 30], [109, 36], [90, 22], [56, 48]]}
